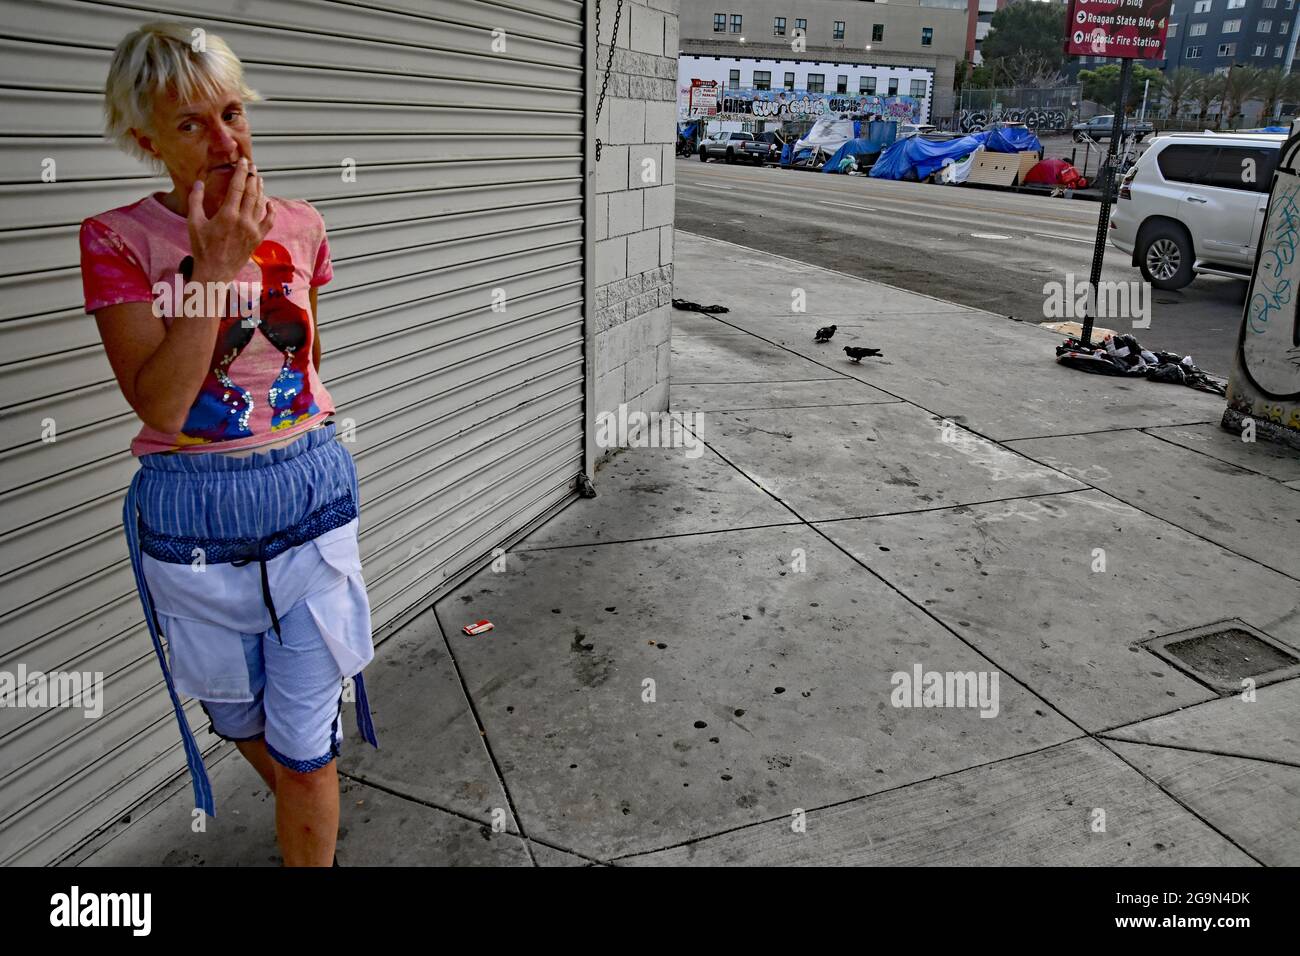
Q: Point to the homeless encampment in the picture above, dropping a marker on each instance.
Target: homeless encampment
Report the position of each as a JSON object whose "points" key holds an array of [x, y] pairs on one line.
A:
{"points": [[917, 158], [875, 137]]}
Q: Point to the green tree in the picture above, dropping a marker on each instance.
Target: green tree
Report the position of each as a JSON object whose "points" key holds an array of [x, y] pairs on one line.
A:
{"points": [[1102, 85], [1207, 91], [1180, 88], [1025, 27], [1239, 84], [1276, 87], [961, 75], [981, 78]]}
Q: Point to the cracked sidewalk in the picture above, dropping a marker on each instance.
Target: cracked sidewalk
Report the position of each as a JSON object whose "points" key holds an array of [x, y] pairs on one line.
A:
{"points": [[828, 538]]}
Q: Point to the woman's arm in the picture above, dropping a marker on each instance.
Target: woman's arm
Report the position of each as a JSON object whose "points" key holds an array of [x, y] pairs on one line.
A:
{"points": [[161, 368]]}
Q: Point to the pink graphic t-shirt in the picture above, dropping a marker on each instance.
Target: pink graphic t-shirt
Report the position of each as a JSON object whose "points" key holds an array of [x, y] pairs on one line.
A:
{"points": [[261, 385]]}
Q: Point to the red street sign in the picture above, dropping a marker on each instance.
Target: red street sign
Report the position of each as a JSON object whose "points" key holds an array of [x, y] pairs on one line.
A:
{"points": [[1132, 29]]}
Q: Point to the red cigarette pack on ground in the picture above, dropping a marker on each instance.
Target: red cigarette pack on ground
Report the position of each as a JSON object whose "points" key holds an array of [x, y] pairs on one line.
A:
{"points": [[481, 627]]}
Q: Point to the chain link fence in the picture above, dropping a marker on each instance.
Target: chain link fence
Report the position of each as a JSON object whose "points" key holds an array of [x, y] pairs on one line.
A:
{"points": [[1042, 109]]}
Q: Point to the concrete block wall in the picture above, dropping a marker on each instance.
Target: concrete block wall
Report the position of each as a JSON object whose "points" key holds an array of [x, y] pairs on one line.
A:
{"points": [[633, 215]]}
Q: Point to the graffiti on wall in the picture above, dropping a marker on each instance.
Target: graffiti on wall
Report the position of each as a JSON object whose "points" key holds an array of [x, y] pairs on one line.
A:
{"points": [[972, 121], [811, 105]]}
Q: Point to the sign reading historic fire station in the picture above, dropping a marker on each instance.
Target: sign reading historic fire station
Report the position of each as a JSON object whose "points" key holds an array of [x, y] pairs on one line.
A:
{"points": [[1134, 29]]}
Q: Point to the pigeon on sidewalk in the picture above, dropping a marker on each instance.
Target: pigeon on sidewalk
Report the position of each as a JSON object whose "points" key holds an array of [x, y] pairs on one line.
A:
{"points": [[858, 353], [824, 335]]}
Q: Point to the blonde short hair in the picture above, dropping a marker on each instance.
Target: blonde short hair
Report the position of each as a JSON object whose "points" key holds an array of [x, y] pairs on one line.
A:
{"points": [[161, 58]]}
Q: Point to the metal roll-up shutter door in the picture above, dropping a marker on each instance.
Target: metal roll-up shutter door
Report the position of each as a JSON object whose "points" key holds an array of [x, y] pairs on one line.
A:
{"points": [[469, 421]]}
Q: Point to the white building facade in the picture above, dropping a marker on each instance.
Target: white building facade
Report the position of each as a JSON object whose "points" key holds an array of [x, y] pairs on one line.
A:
{"points": [[851, 80]]}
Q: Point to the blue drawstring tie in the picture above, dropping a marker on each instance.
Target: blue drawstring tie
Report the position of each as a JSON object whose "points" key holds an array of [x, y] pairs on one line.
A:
{"points": [[198, 773]]}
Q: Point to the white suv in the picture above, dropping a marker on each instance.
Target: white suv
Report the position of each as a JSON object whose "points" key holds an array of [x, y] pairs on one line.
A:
{"points": [[1194, 203]]}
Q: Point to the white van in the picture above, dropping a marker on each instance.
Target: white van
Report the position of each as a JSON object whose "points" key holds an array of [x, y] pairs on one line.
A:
{"points": [[1194, 203]]}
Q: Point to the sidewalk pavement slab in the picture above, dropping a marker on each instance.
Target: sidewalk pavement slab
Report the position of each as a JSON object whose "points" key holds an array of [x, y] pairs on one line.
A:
{"points": [[738, 358], [1015, 579], [375, 829], [1251, 802], [656, 493], [1262, 457], [772, 645], [689, 324], [430, 749], [849, 461], [747, 395], [1267, 728], [1033, 810], [772, 687], [977, 368], [1246, 512]]}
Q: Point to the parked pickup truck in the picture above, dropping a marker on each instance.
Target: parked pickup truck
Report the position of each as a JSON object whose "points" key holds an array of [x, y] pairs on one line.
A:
{"points": [[728, 146], [1099, 128], [764, 148]]}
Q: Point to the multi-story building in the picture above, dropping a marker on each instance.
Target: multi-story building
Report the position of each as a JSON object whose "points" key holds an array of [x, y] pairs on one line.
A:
{"points": [[834, 39], [979, 20], [1214, 35]]}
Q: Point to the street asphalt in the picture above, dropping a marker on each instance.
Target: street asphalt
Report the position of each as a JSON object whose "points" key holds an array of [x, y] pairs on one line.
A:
{"points": [[980, 247]]}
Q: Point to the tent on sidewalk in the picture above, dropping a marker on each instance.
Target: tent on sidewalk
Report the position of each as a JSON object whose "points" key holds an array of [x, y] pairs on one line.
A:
{"points": [[829, 133], [1012, 139], [877, 136], [1054, 171], [915, 158]]}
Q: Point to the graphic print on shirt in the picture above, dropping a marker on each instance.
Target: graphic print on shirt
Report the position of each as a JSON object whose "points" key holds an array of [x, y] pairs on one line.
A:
{"points": [[223, 408]]}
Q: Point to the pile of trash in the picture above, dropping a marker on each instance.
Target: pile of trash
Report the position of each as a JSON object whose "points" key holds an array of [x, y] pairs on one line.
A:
{"points": [[1124, 355]]}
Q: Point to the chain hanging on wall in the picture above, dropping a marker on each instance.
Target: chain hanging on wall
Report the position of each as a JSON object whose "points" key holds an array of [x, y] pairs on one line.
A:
{"points": [[609, 62]]}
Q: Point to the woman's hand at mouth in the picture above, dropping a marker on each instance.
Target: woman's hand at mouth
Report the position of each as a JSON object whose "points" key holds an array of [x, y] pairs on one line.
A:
{"points": [[223, 244]]}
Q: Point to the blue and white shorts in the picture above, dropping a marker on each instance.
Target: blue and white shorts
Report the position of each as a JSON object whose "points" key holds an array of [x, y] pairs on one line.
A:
{"points": [[249, 567]]}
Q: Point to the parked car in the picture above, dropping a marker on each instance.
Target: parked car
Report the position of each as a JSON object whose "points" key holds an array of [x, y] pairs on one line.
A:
{"points": [[764, 148], [1100, 127], [724, 146], [1194, 203], [914, 129]]}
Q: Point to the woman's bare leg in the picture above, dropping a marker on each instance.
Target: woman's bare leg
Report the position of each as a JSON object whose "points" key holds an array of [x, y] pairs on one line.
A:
{"points": [[307, 814], [254, 752]]}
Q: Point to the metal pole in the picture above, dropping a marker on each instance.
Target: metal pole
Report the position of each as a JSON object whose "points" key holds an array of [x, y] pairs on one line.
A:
{"points": [[1143, 112], [1107, 186]]}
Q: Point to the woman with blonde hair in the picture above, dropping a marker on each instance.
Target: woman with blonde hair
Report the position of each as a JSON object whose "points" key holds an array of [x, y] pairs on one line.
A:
{"points": [[242, 520]]}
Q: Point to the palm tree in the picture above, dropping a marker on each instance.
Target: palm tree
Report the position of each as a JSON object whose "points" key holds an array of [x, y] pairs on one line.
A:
{"points": [[1207, 90], [1180, 87], [1276, 87], [1239, 84]]}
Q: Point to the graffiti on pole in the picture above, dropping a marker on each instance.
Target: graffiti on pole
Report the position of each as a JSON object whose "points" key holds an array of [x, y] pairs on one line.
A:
{"points": [[1265, 381]]}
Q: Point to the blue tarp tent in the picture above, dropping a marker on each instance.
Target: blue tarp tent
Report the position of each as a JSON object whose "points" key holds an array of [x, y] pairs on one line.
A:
{"points": [[916, 158], [1012, 139], [854, 147], [879, 136]]}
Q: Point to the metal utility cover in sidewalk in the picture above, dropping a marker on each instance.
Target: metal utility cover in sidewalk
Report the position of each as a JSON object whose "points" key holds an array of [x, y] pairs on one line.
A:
{"points": [[1223, 654]]}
